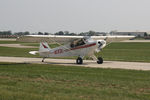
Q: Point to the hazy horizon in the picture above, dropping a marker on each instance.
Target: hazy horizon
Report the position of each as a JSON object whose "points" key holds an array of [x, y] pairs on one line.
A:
{"points": [[74, 15]]}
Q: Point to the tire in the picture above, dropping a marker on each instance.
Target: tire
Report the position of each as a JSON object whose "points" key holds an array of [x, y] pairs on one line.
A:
{"points": [[100, 60], [79, 60]]}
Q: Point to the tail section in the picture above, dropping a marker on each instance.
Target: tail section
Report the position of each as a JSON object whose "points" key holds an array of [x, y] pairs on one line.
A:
{"points": [[44, 47]]}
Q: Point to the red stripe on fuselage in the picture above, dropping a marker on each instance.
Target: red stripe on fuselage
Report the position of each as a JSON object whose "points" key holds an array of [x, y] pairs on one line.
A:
{"points": [[79, 47], [84, 46]]}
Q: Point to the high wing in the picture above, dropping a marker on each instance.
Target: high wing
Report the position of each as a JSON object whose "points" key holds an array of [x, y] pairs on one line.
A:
{"points": [[66, 39]]}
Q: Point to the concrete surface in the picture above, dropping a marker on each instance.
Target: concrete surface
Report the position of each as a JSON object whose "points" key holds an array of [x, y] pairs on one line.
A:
{"points": [[7, 39], [17, 46], [87, 63]]}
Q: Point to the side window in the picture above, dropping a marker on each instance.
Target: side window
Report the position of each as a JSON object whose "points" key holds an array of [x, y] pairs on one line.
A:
{"points": [[77, 43]]}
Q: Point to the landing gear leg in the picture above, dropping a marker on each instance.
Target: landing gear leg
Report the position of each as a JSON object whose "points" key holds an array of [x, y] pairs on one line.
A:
{"points": [[79, 60], [100, 60], [43, 59]]}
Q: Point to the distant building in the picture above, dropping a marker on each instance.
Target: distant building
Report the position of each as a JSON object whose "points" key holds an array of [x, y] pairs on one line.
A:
{"points": [[137, 34]]}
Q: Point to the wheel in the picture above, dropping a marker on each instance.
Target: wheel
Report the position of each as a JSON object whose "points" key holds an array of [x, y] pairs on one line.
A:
{"points": [[100, 60], [79, 60]]}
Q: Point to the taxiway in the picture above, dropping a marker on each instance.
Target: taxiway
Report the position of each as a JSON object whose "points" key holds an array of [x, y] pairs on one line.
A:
{"points": [[87, 63]]}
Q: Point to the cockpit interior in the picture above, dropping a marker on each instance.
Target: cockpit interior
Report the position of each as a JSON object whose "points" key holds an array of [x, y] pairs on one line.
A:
{"points": [[78, 42]]}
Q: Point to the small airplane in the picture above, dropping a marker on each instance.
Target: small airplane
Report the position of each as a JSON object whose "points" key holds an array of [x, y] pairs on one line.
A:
{"points": [[85, 46]]}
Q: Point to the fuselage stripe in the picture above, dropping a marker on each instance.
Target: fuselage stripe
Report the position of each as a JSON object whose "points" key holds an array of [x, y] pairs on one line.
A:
{"points": [[80, 47]]}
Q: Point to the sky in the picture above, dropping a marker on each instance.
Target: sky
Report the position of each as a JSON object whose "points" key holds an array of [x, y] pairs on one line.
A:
{"points": [[74, 15]]}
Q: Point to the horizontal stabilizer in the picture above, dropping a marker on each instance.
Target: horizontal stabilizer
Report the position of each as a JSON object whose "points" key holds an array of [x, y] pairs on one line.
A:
{"points": [[34, 52]]}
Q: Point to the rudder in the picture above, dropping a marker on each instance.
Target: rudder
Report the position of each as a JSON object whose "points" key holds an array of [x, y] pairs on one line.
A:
{"points": [[44, 47]]}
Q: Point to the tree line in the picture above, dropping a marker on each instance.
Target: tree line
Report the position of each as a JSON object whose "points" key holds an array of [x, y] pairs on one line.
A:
{"points": [[67, 33], [15, 33]]}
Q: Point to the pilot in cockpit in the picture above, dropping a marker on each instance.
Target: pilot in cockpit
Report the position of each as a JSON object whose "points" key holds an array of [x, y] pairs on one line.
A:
{"points": [[77, 43]]}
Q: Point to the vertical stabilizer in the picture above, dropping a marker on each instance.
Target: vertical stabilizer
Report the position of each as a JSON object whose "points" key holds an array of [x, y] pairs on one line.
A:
{"points": [[44, 47]]}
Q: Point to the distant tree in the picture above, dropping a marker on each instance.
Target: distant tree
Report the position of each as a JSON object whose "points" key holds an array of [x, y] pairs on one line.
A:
{"points": [[46, 33], [72, 34], [82, 34], [5, 33], [26, 33], [91, 33], [22, 33], [145, 34], [40, 33], [56, 33], [59, 33], [66, 33]]}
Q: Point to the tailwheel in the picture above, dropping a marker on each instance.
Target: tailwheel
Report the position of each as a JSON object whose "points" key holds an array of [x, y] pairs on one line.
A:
{"points": [[79, 60], [43, 59], [100, 60]]}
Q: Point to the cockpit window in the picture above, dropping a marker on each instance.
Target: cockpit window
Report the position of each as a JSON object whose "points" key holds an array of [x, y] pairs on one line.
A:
{"points": [[77, 43]]}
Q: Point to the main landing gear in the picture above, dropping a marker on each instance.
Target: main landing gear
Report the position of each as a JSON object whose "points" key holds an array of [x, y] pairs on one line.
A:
{"points": [[79, 60], [99, 60]]}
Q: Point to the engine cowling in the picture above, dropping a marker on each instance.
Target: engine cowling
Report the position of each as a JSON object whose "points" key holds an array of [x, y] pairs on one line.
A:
{"points": [[100, 45]]}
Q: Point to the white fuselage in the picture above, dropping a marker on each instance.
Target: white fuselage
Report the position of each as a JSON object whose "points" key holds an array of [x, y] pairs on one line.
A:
{"points": [[67, 51]]}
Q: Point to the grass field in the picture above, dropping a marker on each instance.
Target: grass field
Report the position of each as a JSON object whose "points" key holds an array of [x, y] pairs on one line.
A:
{"points": [[26, 43], [17, 52], [52, 82], [37, 44], [20, 52], [127, 52]]}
